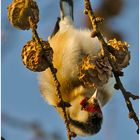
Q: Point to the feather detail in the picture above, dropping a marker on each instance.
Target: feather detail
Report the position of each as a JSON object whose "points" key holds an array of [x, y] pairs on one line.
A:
{"points": [[69, 46]]}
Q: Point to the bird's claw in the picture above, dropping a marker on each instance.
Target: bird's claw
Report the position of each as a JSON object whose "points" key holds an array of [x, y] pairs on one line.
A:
{"points": [[72, 134]]}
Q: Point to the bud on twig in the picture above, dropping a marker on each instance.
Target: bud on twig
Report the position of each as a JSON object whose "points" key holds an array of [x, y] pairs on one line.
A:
{"points": [[19, 12], [33, 56]]}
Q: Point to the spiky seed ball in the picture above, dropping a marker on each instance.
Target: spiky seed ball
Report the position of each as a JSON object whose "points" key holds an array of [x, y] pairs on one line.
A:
{"points": [[95, 71], [19, 12], [121, 55], [33, 56]]}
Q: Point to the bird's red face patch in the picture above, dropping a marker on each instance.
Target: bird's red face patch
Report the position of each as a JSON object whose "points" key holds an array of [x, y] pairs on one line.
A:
{"points": [[84, 102], [93, 108], [90, 107]]}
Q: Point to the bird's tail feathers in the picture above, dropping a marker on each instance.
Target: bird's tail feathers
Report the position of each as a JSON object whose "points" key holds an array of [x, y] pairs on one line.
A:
{"points": [[66, 9]]}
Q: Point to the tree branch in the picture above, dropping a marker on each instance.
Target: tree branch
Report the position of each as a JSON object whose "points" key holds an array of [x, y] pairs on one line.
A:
{"points": [[96, 33], [61, 102]]}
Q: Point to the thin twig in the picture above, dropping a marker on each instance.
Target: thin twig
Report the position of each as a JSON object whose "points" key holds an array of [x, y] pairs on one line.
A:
{"points": [[96, 32], [61, 102]]}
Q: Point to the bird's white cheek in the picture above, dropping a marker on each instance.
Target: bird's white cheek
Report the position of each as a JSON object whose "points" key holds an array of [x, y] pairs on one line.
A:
{"points": [[77, 114]]}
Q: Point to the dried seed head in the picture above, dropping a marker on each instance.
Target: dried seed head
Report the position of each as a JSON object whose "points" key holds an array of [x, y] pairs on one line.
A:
{"points": [[95, 71], [33, 55], [121, 54], [19, 12]]}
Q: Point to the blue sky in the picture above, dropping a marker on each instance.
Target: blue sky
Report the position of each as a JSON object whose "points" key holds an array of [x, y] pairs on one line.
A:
{"points": [[20, 93]]}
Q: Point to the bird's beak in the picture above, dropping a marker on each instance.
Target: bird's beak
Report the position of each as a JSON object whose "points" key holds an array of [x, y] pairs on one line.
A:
{"points": [[89, 101], [94, 96]]}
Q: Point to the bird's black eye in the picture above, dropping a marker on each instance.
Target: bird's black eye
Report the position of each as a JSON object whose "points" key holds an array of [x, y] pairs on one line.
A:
{"points": [[84, 105], [95, 101]]}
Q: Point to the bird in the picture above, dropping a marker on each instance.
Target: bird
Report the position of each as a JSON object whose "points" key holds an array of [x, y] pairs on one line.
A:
{"points": [[70, 45]]}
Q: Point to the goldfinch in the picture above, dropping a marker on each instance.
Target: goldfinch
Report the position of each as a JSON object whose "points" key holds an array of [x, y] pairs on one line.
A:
{"points": [[70, 45]]}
